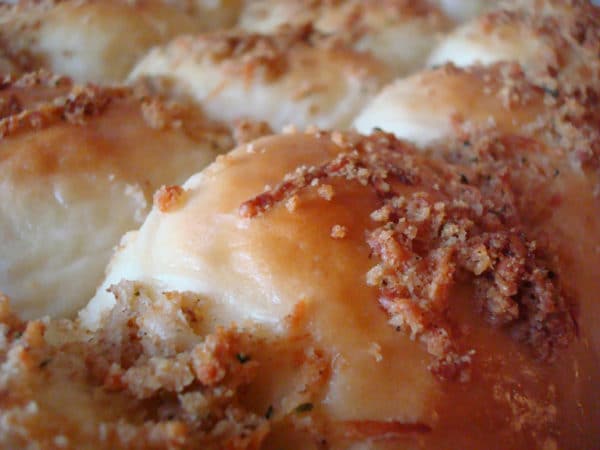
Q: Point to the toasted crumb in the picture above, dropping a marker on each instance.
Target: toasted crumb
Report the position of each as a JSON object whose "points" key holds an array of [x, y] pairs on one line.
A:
{"points": [[375, 351], [326, 191], [168, 198], [292, 203], [338, 232]]}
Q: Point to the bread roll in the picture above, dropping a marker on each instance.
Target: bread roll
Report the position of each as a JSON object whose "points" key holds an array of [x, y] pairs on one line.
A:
{"points": [[399, 32], [78, 168], [294, 77], [441, 322], [100, 40], [435, 104], [556, 42]]}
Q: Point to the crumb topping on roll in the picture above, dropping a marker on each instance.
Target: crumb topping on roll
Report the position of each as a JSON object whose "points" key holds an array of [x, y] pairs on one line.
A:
{"points": [[426, 239], [429, 271]]}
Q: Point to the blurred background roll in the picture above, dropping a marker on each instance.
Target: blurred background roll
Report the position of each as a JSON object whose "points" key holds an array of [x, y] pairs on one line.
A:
{"points": [[100, 40], [295, 77]]}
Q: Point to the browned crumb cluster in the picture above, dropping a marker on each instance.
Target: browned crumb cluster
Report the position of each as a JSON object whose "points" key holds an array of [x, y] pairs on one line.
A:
{"points": [[60, 101], [570, 32], [38, 100], [156, 375], [568, 121], [167, 198], [252, 53], [168, 386], [454, 224], [79, 105]]}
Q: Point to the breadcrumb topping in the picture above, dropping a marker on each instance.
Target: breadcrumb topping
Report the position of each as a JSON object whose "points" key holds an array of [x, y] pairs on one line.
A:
{"points": [[76, 107], [568, 119], [156, 375], [168, 384], [268, 57], [569, 32], [168, 198], [446, 229], [248, 52]]}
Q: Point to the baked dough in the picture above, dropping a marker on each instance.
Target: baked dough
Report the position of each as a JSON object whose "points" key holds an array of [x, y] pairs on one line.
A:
{"points": [[78, 168], [100, 40], [399, 32], [296, 77], [311, 255]]}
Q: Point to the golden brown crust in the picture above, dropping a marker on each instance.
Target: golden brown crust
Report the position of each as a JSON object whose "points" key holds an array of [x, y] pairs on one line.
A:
{"points": [[445, 252], [469, 225]]}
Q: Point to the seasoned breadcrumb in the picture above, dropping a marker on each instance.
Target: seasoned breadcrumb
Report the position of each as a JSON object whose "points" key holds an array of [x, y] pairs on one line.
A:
{"points": [[168, 198], [472, 227], [147, 379]]}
